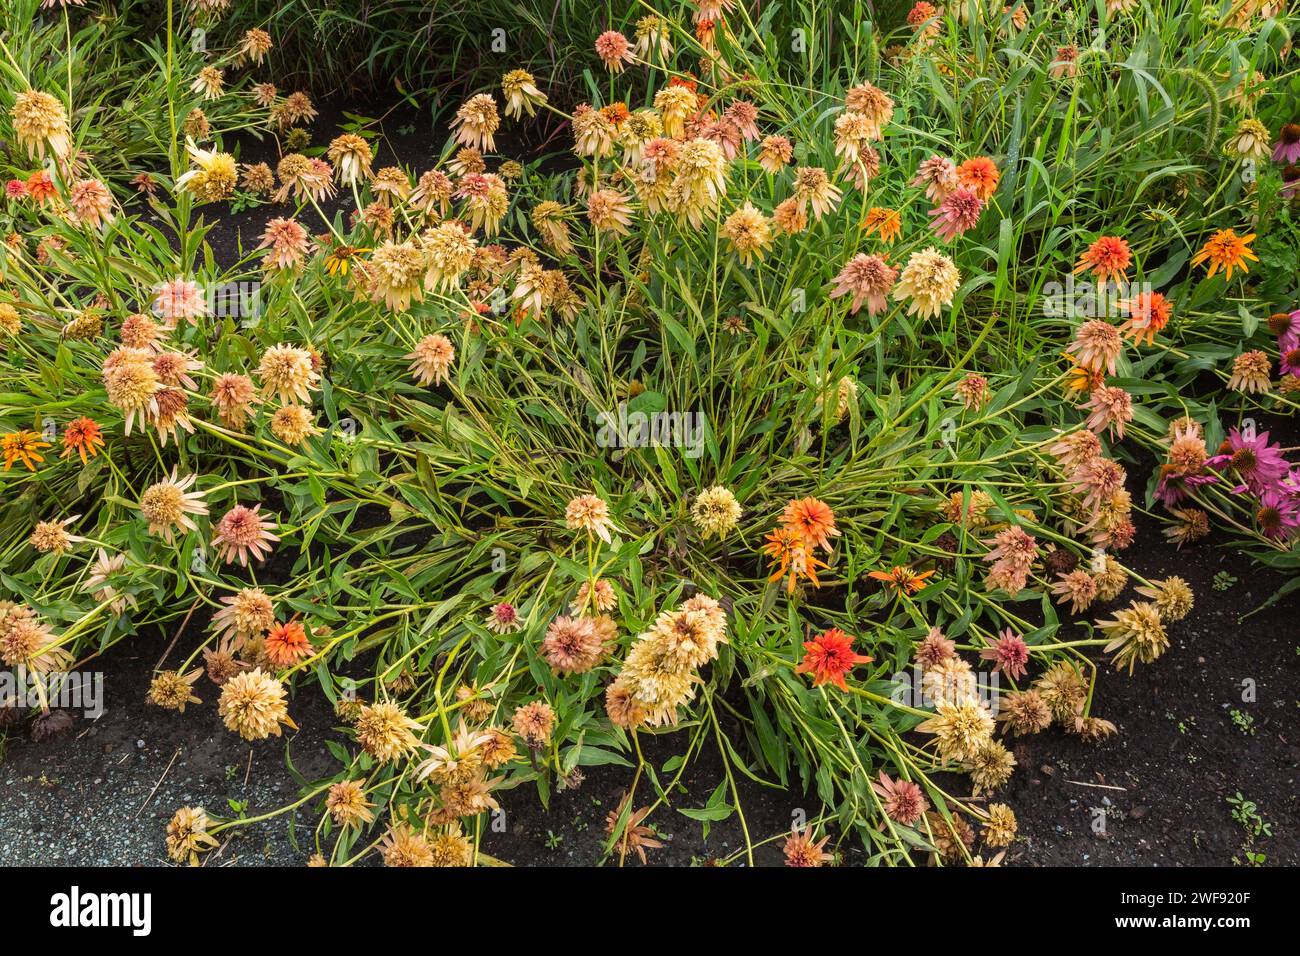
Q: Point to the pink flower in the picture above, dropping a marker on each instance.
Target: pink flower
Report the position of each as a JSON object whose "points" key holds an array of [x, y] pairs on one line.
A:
{"points": [[16, 189], [869, 278], [179, 300], [1010, 654], [956, 213]]}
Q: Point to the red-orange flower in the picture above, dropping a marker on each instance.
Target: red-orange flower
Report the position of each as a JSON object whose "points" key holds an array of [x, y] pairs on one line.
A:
{"points": [[1108, 258], [828, 657], [286, 644], [40, 186], [82, 436], [980, 175], [901, 579], [811, 519]]}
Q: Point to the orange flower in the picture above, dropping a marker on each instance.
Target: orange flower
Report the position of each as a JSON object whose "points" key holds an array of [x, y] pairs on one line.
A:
{"points": [[286, 644], [791, 554], [616, 113], [1226, 250], [901, 579], [980, 175], [40, 186], [1149, 312], [83, 436], [1108, 258], [24, 446], [828, 657], [1080, 379], [812, 520], [884, 221]]}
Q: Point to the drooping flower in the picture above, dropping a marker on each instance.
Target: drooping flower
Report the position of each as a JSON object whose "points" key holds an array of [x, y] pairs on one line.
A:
{"points": [[614, 50], [957, 213], [1097, 346], [1111, 409], [476, 121], [961, 728], [214, 177], [572, 645], [347, 804], [247, 614], [902, 800], [938, 175], [286, 241], [1108, 258], [173, 690], [800, 850], [1137, 634], [234, 396], [534, 722], [1250, 372], [814, 190], [52, 536], [829, 657], [1250, 456], [749, 233], [288, 373], [40, 123], [187, 835], [1009, 653], [775, 153], [253, 705], [385, 731]]}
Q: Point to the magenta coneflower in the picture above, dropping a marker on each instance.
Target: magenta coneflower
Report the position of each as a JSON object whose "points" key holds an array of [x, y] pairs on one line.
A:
{"points": [[1287, 147], [956, 213], [1278, 515], [1256, 462], [1010, 653], [241, 532], [869, 278]]}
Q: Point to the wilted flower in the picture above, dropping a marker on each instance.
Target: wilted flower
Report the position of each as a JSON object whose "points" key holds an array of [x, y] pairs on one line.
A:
{"points": [[173, 690], [476, 121], [801, 851], [252, 705], [187, 835], [40, 122]]}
